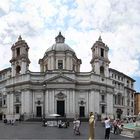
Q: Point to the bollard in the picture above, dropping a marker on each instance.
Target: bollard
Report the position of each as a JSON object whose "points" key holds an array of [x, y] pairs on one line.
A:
{"points": [[91, 126]]}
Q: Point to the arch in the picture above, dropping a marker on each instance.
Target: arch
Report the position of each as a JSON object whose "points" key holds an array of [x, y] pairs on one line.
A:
{"points": [[102, 71], [18, 69]]}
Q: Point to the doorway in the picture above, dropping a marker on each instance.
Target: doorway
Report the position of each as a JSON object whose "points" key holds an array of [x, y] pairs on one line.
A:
{"points": [[82, 111], [61, 108], [38, 111]]}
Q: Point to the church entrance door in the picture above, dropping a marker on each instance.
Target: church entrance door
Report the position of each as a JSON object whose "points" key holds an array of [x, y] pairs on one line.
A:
{"points": [[82, 111], [61, 108], [38, 111]]}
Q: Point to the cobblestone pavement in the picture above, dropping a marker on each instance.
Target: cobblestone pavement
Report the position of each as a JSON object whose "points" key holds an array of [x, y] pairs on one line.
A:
{"points": [[37, 131]]}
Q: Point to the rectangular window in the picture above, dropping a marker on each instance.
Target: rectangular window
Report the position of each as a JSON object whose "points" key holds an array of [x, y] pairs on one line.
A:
{"points": [[4, 100], [17, 109], [102, 52], [18, 51], [131, 104], [128, 102], [122, 100], [102, 98], [128, 112], [0, 102], [0, 77], [115, 99], [127, 83], [112, 75], [118, 77], [17, 98], [60, 64], [118, 85], [103, 109]]}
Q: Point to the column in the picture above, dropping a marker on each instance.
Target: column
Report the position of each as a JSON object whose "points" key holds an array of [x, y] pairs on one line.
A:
{"points": [[11, 108], [33, 92], [91, 101], [73, 94], [53, 101], [52, 62], [96, 101], [71, 104], [22, 102], [27, 99], [68, 103], [46, 103], [23, 67], [110, 104], [8, 103], [49, 63]]}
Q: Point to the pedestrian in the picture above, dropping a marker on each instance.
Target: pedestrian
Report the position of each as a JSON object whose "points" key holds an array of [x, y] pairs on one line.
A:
{"points": [[115, 126], [107, 128], [76, 126], [13, 121], [44, 122]]}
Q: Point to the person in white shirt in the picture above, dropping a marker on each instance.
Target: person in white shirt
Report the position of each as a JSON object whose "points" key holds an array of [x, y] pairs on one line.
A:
{"points": [[107, 128]]}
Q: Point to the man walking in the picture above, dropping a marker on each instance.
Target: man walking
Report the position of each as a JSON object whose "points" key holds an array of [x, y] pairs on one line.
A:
{"points": [[107, 128]]}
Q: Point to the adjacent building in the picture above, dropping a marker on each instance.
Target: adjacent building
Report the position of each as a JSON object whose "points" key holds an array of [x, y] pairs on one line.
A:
{"points": [[60, 87], [137, 103]]}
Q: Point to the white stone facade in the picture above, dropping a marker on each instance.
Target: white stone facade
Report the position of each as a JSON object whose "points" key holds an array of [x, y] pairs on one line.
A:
{"points": [[61, 88]]}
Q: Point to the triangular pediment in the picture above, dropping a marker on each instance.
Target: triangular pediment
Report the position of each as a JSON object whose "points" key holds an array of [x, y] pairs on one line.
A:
{"points": [[60, 79]]}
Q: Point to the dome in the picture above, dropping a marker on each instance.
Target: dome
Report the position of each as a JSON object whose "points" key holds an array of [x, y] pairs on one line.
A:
{"points": [[59, 45]]}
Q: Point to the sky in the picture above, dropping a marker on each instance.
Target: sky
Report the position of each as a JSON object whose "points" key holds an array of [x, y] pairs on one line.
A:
{"points": [[81, 23]]}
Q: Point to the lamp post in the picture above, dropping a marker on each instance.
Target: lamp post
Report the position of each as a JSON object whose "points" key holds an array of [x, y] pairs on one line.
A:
{"points": [[44, 86]]}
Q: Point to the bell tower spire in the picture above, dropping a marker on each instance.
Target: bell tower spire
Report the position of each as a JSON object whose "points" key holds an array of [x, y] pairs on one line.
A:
{"points": [[100, 61], [20, 61]]}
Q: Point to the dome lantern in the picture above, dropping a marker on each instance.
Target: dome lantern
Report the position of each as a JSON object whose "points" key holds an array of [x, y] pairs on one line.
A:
{"points": [[60, 38]]}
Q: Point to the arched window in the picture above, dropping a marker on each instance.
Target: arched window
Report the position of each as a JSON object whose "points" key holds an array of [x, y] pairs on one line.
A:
{"points": [[18, 69], [102, 71]]}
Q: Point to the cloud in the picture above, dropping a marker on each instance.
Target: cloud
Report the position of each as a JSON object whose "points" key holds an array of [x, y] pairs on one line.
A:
{"points": [[81, 22], [5, 6]]}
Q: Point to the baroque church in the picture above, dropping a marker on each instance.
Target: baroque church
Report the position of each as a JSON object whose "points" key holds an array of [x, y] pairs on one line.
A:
{"points": [[61, 88]]}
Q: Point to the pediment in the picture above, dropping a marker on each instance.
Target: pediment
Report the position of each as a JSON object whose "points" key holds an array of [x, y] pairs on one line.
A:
{"points": [[60, 79]]}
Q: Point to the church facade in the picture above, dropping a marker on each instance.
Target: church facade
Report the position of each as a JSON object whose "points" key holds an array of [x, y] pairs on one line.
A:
{"points": [[61, 88]]}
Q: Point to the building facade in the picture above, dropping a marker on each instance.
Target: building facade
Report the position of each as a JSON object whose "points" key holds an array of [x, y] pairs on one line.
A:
{"points": [[137, 103], [61, 88]]}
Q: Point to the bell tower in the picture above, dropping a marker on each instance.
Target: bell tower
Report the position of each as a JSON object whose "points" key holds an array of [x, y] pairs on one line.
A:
{"points": [[100, 61], [20, 61]]}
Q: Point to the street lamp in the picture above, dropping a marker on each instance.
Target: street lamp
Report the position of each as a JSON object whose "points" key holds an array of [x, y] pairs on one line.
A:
{"points": [[44, 86]]}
